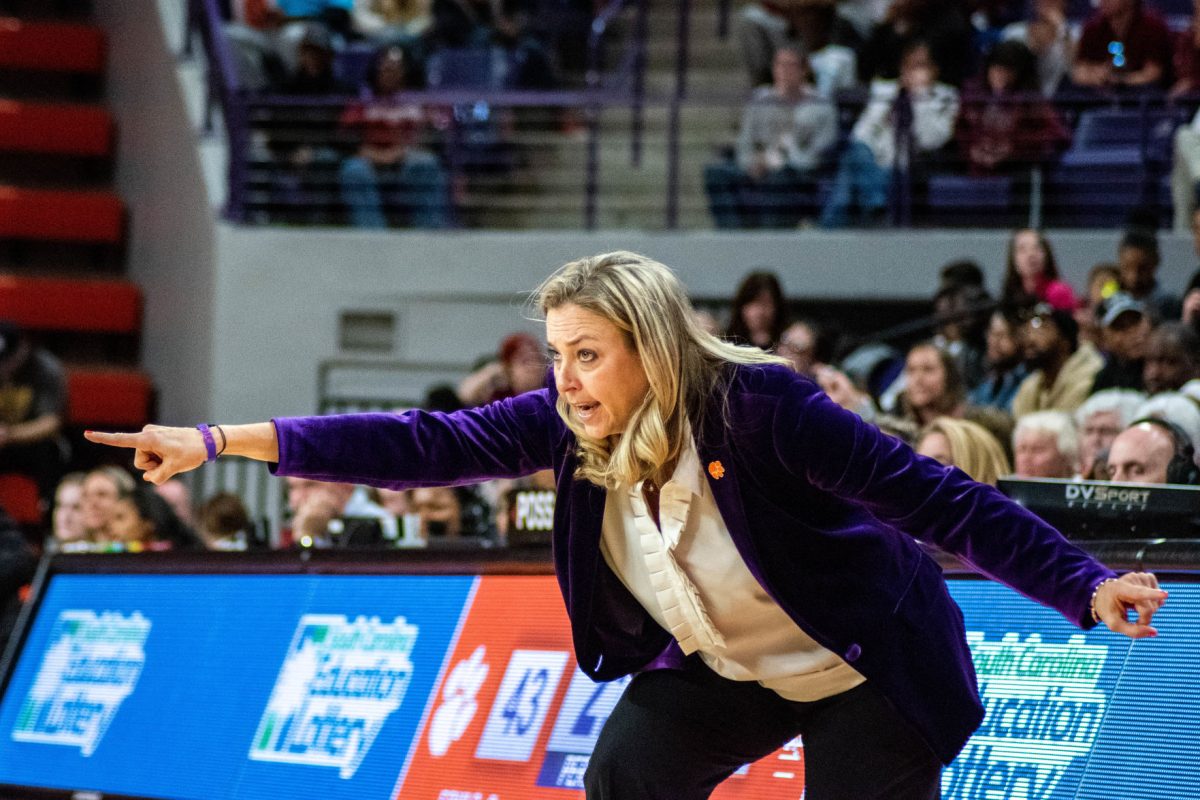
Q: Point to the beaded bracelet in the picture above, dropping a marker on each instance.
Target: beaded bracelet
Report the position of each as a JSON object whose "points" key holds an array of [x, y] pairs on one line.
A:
{"points": [[1096, 591]]}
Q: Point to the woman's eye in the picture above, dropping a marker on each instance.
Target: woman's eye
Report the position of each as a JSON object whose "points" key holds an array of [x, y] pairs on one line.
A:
{"points": [[586, 355]]}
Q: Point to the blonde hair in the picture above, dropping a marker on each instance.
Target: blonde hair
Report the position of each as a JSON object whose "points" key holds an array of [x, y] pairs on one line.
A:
{"points": [[973, 449], [682, 362]]}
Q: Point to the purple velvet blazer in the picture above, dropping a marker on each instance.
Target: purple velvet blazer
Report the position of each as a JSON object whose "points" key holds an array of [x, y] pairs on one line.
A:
{"points": [[822, 506]]}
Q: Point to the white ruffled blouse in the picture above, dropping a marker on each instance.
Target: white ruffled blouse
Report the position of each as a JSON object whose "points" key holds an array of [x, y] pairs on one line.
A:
{"points": [[690, 578]]}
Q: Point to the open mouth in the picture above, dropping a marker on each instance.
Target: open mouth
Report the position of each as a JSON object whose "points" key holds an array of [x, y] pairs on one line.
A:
{"points": [[586, 410]]}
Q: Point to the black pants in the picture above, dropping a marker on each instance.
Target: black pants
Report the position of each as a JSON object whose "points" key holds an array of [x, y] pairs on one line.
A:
{"points": [[676, 734]]}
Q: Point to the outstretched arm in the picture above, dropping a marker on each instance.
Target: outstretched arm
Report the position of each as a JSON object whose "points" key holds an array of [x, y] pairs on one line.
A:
{"points": [[836, 451], [505, 439]]}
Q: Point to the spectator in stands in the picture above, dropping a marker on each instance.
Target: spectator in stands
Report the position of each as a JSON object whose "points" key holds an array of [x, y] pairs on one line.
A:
{"points": [[799, 344], [1063, 367], [862, 15], [1152, 451], [761, 29], [1098, 421], [1175, 407], [940, 24], [102, 488], [759, 313], [179, 497], [454, 24], [933, 385], [520, 366], [1125, 44], [1138, 260], [395, 502], [67, 530], [1046, 445], [1190, 315], [1051, 37], [1185, 176], [1172, 358], [528, 64], [313, 73], [326, 514], [452, 513], [1031, 274], [961, 312], [834, 65], [225, 523], [1005, 364], [865, 169], [33, 400], [1006, 127], [17, 566], [142, 520], [1104, 280], [960, 273], [1186, 62], [268, 35], [786, 134], [848, 394], [966, 445], [1126, 329], [301, 146], [392, 174]]}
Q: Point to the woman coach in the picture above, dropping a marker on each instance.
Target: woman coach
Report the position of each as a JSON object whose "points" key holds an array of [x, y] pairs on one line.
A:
{"points": [[727, 532]]}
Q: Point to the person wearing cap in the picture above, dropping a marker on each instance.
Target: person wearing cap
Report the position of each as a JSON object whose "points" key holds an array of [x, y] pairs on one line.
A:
{"points": [[33, 400], [1125, 329], [1063, 367], [787, 131]]}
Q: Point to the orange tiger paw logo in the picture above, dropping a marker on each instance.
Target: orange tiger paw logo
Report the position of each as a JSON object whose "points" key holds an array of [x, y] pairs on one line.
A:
{"points": [[716, 469]]}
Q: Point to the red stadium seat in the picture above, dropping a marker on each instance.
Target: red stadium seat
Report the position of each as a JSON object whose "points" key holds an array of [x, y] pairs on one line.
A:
{"points": [[51, 46], [108, 396], [19, 497], [65, 304], [59, 215], [74, 130]]}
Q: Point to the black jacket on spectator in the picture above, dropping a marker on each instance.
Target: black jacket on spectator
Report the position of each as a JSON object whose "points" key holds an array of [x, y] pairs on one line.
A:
{"points": [[17, 565], [1119, 375]]}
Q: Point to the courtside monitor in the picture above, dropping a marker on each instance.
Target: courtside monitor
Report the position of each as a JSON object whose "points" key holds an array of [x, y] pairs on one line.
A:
{"points": [[1106, 510]]}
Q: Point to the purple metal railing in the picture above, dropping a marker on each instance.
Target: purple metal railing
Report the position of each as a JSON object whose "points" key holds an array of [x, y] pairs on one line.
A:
{"points": [[624, 87]]}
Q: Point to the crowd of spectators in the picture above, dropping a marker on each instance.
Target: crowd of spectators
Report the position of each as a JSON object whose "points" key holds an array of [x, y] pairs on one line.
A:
{"points": [[859, 102], [1036, 380], [986, 89], [1105, 387], [387, 160]]}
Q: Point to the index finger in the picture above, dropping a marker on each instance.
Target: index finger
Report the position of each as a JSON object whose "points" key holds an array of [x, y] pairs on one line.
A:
{"points": [[131, 440]]}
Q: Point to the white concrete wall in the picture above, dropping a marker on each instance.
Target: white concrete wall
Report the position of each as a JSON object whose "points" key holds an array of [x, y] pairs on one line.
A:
{"points": [[171, 247], [280, 292]]}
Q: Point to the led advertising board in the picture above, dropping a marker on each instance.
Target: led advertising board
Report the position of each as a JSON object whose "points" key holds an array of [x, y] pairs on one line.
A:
{"points": [[465, 688]]}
